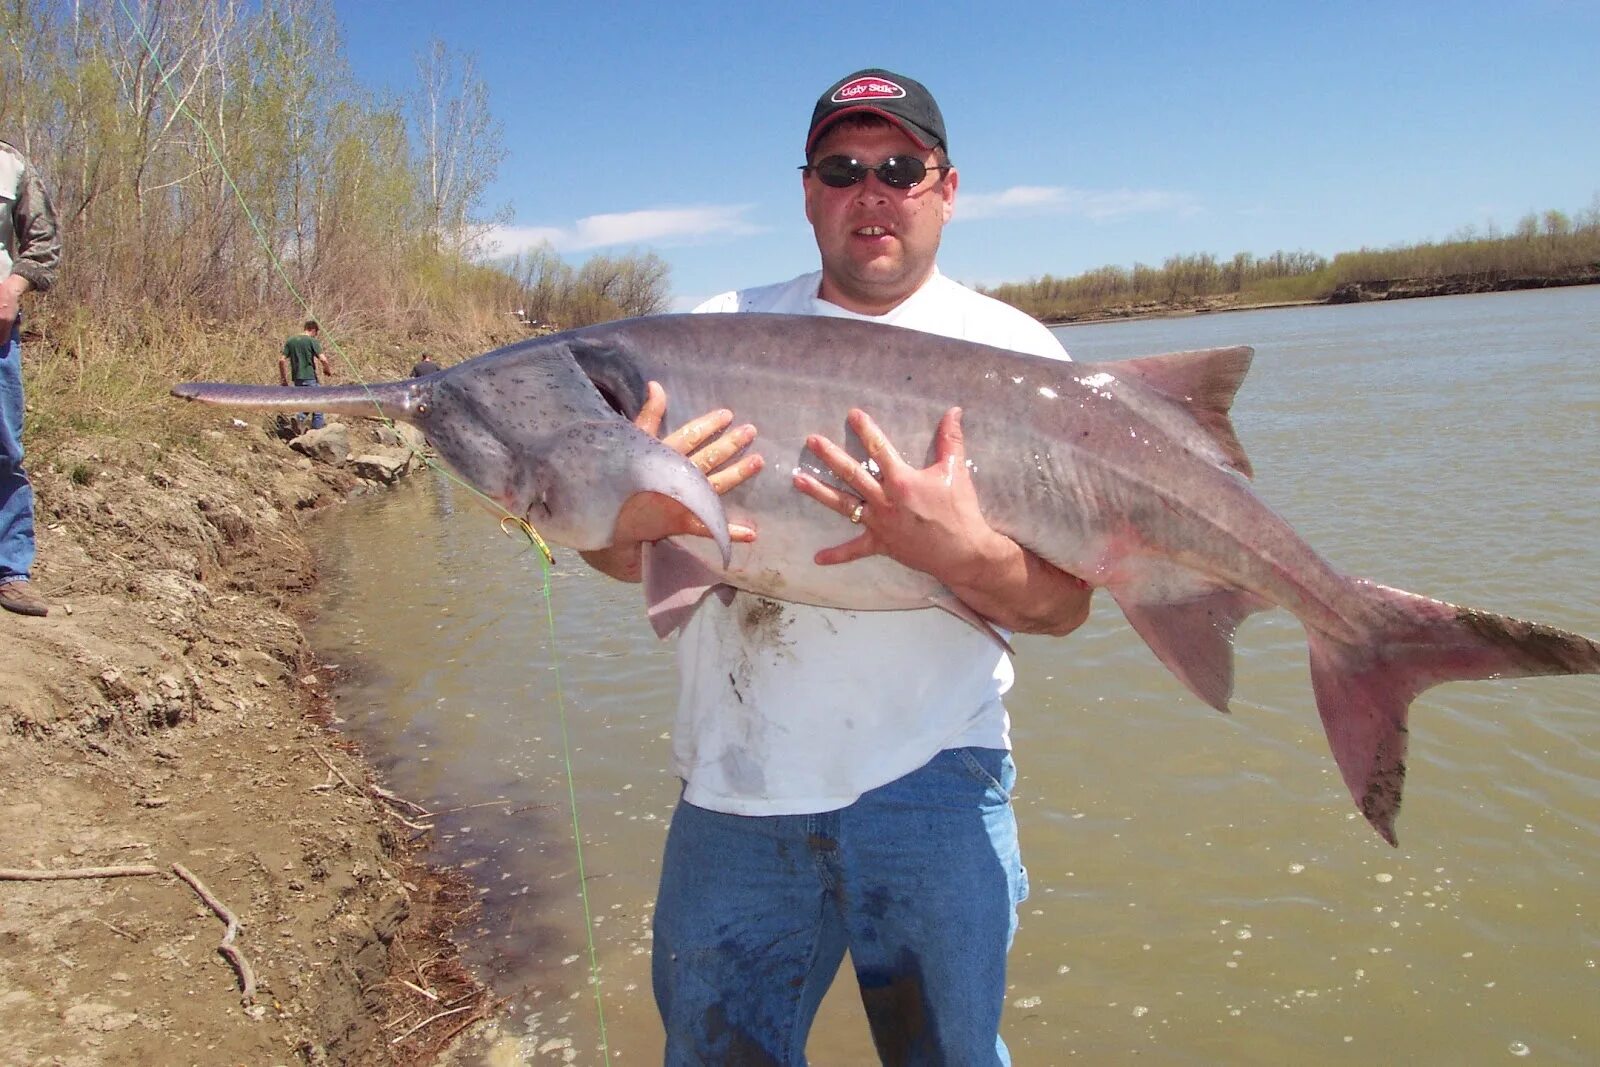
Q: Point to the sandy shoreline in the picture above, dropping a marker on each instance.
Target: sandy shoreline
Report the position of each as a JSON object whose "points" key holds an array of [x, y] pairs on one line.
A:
{"points": [[169, 711]]}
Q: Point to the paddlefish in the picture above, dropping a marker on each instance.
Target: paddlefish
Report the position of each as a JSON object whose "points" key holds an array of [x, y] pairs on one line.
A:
{"points": [[1127, 474]]}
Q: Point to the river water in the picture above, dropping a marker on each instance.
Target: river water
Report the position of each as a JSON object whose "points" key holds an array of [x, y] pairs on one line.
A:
{"points": [[1202, 891]]}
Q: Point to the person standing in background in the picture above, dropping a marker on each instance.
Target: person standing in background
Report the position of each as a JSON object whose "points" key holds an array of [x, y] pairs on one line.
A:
{"points": [[425, 365], [30, 254], [302, 355]]}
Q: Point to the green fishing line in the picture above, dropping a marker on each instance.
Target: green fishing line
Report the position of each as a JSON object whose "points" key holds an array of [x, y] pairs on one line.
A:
{"points": [[546, 559]]}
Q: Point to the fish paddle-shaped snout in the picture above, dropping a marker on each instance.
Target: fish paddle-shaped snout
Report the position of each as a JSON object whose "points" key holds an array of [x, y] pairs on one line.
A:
{"points": [[526, 428]]}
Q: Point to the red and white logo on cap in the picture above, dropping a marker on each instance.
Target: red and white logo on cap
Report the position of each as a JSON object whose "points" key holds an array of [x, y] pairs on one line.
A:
{"points": [[867, 88]]}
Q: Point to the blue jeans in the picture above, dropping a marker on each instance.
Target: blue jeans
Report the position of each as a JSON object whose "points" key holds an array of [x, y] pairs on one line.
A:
{"points": [[16, 494], [920, 879], [317, 421]]}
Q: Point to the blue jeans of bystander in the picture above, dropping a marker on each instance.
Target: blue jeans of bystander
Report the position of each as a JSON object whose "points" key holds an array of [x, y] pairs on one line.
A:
{"points": [[16, 494], [317, 421], [919, 879]]}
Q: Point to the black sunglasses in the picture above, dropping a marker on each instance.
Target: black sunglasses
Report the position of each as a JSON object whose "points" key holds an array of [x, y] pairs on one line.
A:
{"points": [[897, 172]]}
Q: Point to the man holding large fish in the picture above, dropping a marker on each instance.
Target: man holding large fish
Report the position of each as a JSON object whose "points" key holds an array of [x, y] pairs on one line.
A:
{"points": [[845, 756], [847, 773]]}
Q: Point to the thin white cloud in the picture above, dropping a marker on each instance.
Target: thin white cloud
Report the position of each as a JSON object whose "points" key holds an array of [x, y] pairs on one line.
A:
{"points": [[658, 226], [1097, 205]]}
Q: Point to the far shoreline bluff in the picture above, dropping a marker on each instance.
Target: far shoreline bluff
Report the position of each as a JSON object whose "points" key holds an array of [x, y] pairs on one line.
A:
{"points": [[1362, 292]]}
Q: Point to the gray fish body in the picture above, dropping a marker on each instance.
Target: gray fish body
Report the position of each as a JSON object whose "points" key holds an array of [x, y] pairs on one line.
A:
{"points": [[1045, 437], [1127, 474]]}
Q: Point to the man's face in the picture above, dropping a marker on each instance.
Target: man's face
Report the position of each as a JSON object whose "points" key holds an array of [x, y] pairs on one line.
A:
{"points": [[877, 243]]}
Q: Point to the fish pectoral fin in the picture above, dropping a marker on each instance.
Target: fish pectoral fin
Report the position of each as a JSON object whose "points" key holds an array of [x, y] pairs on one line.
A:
{"points": [[675, 581], [1193, 637], [948, 601], [655, 468]]}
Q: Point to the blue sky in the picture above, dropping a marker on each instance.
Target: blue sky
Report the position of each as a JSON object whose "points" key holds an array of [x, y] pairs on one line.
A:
{"points": [[1085, 134]]}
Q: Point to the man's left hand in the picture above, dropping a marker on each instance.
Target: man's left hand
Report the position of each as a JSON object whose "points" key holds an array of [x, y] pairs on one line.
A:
{"points": [[927, 518]]}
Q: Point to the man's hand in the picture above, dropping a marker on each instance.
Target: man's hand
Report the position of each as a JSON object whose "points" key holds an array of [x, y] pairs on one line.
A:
{"points": [[929, 520], [711, 447], [11, 290]]}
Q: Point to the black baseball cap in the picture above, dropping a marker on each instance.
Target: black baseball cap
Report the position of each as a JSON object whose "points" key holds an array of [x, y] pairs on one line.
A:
{"points": [[903, 101]]}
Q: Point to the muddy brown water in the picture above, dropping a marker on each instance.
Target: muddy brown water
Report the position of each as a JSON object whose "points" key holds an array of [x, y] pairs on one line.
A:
{"points": [[1202, 891]]}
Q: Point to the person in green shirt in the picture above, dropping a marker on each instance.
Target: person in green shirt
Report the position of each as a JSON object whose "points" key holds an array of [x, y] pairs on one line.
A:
{"points": [[302, 355]]}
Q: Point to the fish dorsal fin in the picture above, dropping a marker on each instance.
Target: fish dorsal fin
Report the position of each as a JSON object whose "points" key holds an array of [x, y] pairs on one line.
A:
{"points": [[1204, 383]]}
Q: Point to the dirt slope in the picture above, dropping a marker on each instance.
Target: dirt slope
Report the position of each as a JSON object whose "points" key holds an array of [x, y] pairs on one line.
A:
{"points": [[169, 712]]}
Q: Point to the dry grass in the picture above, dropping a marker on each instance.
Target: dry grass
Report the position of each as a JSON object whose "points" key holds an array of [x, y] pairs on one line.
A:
{"points": [[94, 374]]}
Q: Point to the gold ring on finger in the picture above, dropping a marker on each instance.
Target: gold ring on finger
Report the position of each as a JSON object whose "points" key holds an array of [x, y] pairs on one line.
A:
{"points": [[856, 512]]}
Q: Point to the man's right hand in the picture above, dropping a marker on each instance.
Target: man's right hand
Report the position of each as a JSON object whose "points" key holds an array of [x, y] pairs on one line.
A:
{"points": [[711, 447]]}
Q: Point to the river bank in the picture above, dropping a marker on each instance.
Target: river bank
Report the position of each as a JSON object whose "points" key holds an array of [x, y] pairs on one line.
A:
{"points": [[169, 712]]}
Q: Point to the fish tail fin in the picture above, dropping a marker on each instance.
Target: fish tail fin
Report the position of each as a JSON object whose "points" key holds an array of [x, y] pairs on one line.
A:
{"points": [[1364, 691]]}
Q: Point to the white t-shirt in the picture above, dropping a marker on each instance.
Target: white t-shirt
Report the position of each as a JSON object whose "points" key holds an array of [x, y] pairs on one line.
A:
{"points": [[790, 709]]}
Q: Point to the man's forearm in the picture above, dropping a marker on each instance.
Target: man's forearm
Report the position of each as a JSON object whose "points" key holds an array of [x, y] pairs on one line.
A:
{"points": [[1015, 589]]}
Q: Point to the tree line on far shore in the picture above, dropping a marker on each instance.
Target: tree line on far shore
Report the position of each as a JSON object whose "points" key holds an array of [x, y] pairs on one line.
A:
{"points": [[1553, 245]]}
